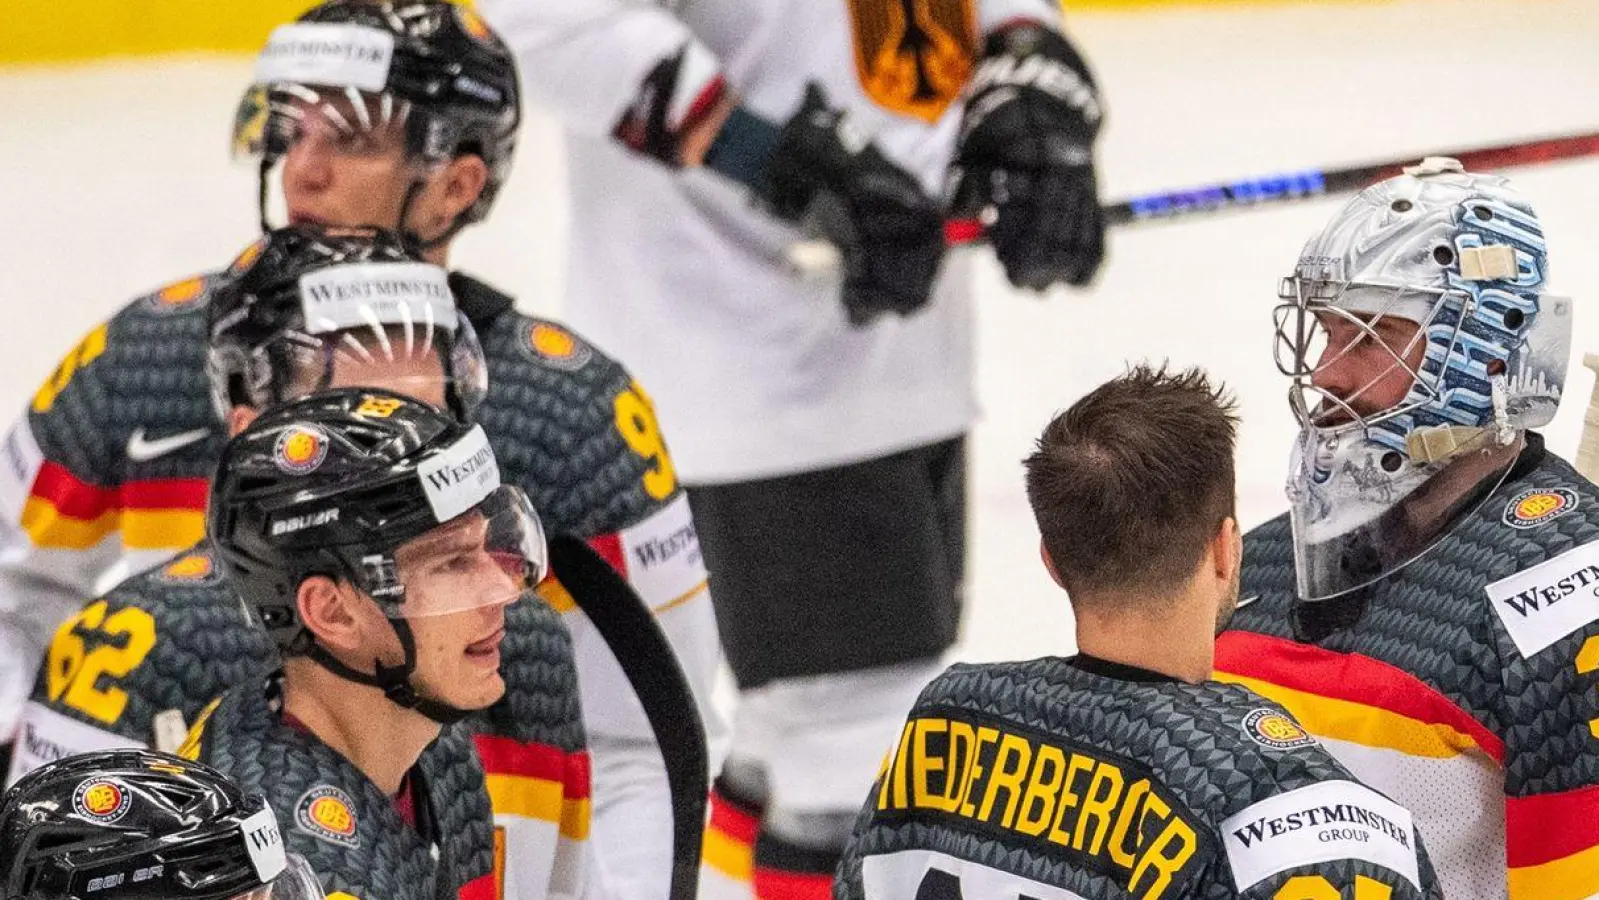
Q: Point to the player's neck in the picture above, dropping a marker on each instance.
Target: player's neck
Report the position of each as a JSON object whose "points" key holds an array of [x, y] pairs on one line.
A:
{"points": [[1175, 638], [383, 740]]}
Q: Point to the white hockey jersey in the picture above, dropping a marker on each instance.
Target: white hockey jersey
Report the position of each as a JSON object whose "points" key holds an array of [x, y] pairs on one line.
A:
{"points": [[754, 368]]}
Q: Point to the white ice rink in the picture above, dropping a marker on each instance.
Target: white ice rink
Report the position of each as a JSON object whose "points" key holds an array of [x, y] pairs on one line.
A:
{"points": [[114, 179]]}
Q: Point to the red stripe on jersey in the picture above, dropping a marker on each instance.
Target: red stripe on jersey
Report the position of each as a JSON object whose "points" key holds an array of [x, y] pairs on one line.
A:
{"points": [[733, 820], [1351, 677], [505, 756], [609, 546], [1547, 827], [775, 884], [480, 888], [79, 499]]}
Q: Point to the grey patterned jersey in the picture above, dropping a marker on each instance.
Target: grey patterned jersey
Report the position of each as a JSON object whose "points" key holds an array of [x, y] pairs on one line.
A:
{"points": [[164, 644], [333, 815], [1055, 779], [116, 451], [1465, 685]]}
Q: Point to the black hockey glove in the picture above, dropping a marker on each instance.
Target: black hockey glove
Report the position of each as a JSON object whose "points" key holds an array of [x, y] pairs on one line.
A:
{"points": [[889, 233], [1026, 149]]}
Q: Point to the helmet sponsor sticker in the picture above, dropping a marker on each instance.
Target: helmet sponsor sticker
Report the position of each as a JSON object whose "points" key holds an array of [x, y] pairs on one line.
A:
{"points": [[1272, 729], [327, 813], [328, 54], [1541, 605], [300, 449], [1529, 509], [367, 294], [264, 844], [460, 476], [101, 799], [1331, 820]]}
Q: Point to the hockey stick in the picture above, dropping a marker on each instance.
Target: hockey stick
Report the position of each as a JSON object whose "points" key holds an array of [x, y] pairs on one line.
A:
{"points": [[651, 667], [1250, 192], [813, 256]]}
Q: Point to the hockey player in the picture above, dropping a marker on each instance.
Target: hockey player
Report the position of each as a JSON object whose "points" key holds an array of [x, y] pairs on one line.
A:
{"points": [[135, 825], [85, 505], [823, 443], [1121, 771], [1426, 607], [305, 310], [371, 537]]}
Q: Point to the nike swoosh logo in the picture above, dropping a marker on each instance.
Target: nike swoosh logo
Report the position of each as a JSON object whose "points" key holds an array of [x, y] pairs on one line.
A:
{"points": [[1246, 601], [141, 450]]}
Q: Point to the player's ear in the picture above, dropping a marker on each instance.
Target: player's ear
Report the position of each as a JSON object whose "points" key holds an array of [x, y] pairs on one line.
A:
{"points": [[1227, 550], [240, 417], [326, 611], [1049, 564], [463, 181]]}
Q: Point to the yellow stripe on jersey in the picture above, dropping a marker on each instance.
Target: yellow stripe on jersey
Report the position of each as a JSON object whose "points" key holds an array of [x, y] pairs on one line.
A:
{"points": [[142, 529], [542, 799], [1358, 723], [1575, 877], [731, 857]]}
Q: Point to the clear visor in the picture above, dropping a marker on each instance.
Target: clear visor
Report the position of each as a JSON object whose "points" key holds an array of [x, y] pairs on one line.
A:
{"points": [[417, 346], [295, 882], [1354, 351], [273, 118], [491, 555]]}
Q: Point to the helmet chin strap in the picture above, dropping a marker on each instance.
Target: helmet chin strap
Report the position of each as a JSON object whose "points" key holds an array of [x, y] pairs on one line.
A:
{"points": [[393, 681], [413, 240]]}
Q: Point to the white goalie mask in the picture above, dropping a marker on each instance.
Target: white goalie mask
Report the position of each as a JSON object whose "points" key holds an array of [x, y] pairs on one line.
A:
{"points": [[1458, 261]]}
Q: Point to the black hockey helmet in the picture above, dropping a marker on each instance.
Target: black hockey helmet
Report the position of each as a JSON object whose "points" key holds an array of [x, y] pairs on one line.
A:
{"points": [[431, 66], [137, 825], [303, 299], [371, 488]]}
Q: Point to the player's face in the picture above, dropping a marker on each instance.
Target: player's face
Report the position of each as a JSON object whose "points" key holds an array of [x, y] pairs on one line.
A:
{"points": [[336, 175], [457, 641], [1368, 368]]}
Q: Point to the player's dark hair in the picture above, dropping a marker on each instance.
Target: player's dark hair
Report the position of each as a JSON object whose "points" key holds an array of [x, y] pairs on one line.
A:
{"points": [[1131, 482]]}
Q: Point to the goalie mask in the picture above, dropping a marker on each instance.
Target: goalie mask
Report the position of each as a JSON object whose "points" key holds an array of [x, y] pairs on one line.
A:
{"points": [[429, 71], [1421, 344], [304, 307], [373, 490]]}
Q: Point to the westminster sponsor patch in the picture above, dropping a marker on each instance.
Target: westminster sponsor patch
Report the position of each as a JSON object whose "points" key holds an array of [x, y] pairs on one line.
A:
{"points": [[327, 54], [461, 476], [1549, 601], [1529, 509], [1272, 729], [1316, 824], [264, 844], [327, 813]]}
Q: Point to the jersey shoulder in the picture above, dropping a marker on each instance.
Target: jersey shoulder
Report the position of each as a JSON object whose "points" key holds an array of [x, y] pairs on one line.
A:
{"points": [[143, 660], [573, 428], [139, 378]]}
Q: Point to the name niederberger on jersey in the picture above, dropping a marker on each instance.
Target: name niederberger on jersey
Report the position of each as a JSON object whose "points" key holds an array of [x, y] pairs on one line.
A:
{"points": [[1101, 811]]}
